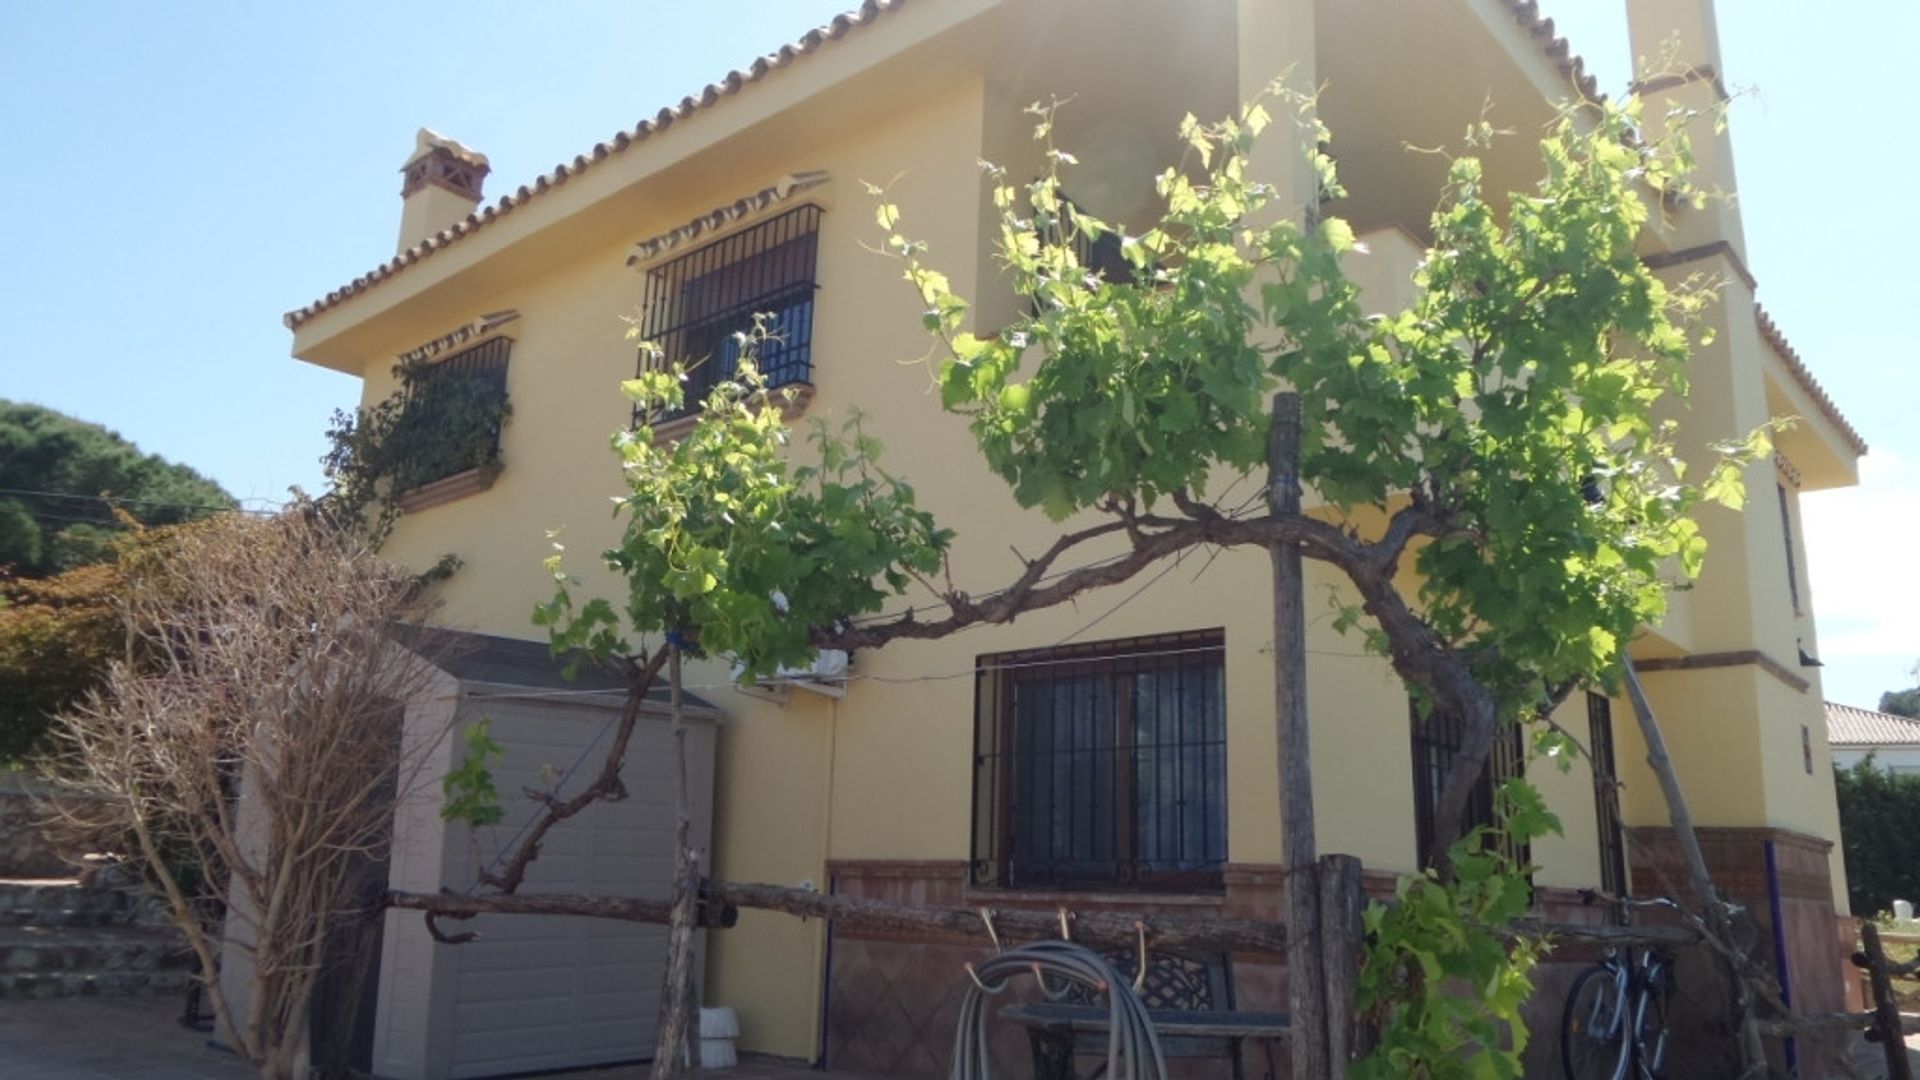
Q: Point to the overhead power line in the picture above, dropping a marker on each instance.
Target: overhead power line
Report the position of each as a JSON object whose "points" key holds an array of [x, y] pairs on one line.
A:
{"points": [[120, 500]]}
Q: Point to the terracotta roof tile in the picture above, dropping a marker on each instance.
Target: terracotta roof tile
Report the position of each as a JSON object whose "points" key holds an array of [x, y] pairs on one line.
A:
{"points": [[1526, 12], [731, 84], [1848, 726], [1802, 375]]}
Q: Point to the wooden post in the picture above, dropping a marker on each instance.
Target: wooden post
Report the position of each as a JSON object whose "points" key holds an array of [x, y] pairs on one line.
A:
{"points": [[1306, 969], [1753, 1057], [1341, 899], [1886, 1010], [675, 1055]]}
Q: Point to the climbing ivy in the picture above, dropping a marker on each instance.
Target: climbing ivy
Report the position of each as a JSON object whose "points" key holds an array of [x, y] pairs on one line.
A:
{"points": [[439, 422]]}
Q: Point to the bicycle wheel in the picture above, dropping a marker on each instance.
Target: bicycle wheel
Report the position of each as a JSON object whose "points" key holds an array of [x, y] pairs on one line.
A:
{"points": [[1593, 1043], [1650, 1020]]}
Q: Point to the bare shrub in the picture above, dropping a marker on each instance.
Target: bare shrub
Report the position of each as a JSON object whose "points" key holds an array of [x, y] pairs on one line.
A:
{"points": [[270, 656]]}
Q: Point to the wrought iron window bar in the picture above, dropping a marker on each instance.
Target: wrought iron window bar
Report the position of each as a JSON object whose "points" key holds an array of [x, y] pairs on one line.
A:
{"points": [[1436, 738], [450, 394], [700, 310], [1606, 796], [1102, 766]]}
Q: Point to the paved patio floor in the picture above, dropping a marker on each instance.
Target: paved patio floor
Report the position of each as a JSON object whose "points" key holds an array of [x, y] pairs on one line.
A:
{"points": [[98, 1038], [139, 1038]]}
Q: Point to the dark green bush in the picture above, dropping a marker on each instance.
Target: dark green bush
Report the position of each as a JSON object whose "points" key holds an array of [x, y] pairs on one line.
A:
{"points": [[1879, 836]]}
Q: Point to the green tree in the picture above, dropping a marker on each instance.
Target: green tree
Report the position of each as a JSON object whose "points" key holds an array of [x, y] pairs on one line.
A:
{"points": [[1503, 427], [1902, 702], [57, 635], [62, 481], [1878, 840]]}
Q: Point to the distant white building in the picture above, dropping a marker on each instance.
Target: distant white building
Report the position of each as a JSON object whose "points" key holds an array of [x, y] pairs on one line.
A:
{"points": [[1894, 741]]}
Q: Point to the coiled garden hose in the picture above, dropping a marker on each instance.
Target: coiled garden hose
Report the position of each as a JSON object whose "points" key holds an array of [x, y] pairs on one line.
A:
{"points": [[1133, 1047]]}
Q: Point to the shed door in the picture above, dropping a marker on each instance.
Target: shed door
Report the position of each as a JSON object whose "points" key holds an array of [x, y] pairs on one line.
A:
{"points": [[549, 992]]}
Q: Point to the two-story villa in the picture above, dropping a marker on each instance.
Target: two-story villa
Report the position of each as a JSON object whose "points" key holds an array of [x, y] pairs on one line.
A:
{"points": [[973, 771]]}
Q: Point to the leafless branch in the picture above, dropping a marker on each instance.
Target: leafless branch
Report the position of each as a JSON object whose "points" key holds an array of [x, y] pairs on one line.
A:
{"points": [[250, 749], [606, 785]]}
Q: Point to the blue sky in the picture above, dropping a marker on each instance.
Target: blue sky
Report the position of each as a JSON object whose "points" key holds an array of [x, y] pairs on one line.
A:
{"points": [[176, 176]]}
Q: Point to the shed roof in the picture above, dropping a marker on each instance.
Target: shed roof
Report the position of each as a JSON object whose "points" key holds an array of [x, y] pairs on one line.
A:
{"points": [[473, 657]]}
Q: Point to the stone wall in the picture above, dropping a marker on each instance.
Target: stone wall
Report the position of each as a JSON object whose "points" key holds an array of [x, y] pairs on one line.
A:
{"points": [[30, 845]]}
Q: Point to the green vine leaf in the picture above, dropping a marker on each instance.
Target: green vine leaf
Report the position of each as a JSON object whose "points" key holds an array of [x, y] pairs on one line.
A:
{"points": [[470, 794]]}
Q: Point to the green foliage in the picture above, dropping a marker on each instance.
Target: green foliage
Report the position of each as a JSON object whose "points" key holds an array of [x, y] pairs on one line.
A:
{"points": [[471, 796], [1902, 702], [733, 547], [63, 480], [1515, 399], [1878, 841], [1514, 406], [56, 636], [1443, 976], [1510, 415], [438, 423]]}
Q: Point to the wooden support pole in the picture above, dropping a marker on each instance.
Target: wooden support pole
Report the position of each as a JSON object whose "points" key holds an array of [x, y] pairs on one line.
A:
{"points": [[1753, 1057], [676, 1055], [1113, 930], [1306, 968], [721, 901], [1342, 898], [1886, 1010]]}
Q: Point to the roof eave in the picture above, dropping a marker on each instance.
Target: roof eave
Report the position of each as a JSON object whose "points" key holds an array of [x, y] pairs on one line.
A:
{"points": [[836, 65]]}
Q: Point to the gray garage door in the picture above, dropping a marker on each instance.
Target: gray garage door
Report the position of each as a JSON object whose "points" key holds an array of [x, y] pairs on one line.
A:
{"points": [[546, 992]]}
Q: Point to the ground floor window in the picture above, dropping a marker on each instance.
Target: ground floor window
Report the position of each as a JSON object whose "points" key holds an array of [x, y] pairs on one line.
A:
{"points": [[1606, 795], [1102, 765], [1437, 736]]}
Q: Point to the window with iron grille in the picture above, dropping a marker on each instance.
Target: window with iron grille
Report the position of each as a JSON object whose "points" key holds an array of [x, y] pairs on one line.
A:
{"points": [[451, 419], [1786, 529], [1606, 795], [697, 307], [1103, 765], [1436, 738]]}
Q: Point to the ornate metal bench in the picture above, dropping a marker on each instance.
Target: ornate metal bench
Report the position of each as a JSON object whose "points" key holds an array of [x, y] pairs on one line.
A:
{"points": [[1190, 1002]]}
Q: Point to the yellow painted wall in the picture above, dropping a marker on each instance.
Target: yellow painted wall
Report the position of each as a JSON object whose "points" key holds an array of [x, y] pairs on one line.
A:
{"points": [[887, 772], [1571, 859]]}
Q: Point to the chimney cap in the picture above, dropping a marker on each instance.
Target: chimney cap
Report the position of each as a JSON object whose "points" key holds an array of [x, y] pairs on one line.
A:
{"points": [[427, 141], [438, 161]]}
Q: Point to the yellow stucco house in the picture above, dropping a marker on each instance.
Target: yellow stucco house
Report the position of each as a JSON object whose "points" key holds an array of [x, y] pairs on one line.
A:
{"points": [[747, 197]]}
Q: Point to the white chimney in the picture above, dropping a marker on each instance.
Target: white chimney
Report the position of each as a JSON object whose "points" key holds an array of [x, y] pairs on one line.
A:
{"points": [[441, 186]]}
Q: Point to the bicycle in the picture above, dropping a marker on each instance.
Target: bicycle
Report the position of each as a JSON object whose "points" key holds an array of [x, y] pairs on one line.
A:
{"points": [[1615, 1022]]}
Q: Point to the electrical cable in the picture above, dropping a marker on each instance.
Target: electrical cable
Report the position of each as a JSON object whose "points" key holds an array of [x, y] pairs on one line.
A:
{"points": [[117, 500]]}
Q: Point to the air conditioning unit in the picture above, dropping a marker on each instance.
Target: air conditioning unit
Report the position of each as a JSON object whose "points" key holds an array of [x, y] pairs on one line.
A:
{"points": [[827, 675]]}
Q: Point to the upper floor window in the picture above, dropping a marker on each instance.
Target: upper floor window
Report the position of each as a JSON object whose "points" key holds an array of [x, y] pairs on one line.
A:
{"points": [[451, 416], [1786, 531], [1102, 765], [698, 307], [1606, 795], [1437, 737]]}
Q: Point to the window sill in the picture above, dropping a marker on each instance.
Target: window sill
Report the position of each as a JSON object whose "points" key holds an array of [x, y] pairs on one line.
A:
{"points": [[986, 894], [794, 397], [448, 488]]}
